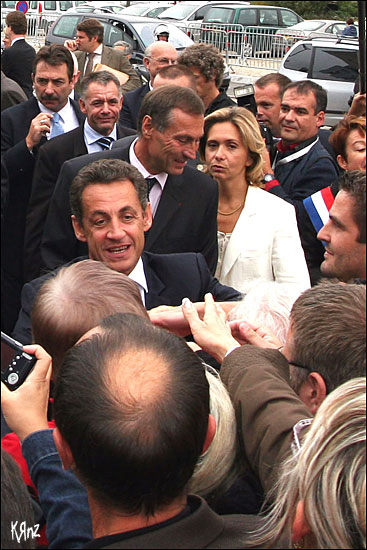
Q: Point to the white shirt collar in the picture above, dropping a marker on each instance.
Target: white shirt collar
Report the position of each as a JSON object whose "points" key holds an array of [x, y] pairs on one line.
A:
{"points": [[16, 39], [138, 276], [66, 112], [161, 178], [98, 51], [91, 135]]}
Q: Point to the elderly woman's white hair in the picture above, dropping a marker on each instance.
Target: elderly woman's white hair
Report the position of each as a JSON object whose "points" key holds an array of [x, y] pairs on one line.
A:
{"points": [[323, 486], [269, 304], [213, 470]]}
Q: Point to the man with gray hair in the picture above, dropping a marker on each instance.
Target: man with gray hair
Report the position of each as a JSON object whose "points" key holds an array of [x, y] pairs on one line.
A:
{"points": [[100, 101], [156, 56], [183, 200]]}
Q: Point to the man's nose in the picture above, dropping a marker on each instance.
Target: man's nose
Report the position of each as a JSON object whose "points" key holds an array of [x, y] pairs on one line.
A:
{"points": [[116, 230]]}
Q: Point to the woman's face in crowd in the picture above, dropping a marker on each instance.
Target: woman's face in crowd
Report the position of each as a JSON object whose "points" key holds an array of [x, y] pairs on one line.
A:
{"points": [[355, 150], [225, 153]]}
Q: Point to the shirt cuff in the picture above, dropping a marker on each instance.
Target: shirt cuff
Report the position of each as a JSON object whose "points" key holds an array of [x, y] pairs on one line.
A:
{"points": [[232, 349], [271, 184]]}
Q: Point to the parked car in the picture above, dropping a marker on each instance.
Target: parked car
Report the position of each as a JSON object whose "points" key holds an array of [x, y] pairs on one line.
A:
{"points": [[310, 28], [234, 27], [332, 63], [147, 9]]}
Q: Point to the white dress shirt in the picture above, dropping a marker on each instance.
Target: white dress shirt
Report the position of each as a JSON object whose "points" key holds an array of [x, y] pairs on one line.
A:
{"points": [[67, 114], [157, 190], [138, 276]]}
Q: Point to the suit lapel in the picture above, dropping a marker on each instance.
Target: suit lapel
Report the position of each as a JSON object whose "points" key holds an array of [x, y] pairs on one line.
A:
{"points": [[155, 285], [170, 203], [240, 234], [79, 143]]}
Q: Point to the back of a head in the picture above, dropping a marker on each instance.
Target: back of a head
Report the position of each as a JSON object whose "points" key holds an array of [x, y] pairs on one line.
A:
{"points": [[328, 324], [171, 74], [17, 21], [159, 104], [16, 505], [136, 425], [328, 475], [75, 300]]}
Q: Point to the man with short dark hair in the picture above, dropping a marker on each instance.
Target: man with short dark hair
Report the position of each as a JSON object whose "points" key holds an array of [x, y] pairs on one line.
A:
{"points": [[90, 51], [100, 101], [111, 214], [156, 56], [24, 128], [268, 96], [344, 234], [301, 165], [183, 200], [179, 75], [17, 60], [207, 65]]}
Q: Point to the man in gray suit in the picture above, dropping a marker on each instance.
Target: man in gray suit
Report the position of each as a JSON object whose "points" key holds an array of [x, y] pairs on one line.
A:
{"points": [[90, 50]]}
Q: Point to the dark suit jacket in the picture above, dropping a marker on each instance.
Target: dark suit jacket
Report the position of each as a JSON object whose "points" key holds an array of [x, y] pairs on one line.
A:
{"points": [[50, 159], [11, 93], [115, 59], [17, 64], [131, 106], [185, 221], [170, 278], [20, 163]]}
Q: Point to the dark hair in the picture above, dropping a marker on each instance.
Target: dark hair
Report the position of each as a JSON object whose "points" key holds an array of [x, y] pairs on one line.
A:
{"points": [[328, 323], [92, 27], [309, 87], [159, 104], [105, 171], [207, 58], [171, 72], [273, 78], [350, 21], [100, 77], [55, 55], [16, 503], [132, 402], [17, 21], [353, 182], [338, 138], [95, 291]]}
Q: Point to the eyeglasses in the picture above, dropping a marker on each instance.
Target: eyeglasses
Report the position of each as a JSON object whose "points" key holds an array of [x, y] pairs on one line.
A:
{"points": [[299, 365], [164, 60]]}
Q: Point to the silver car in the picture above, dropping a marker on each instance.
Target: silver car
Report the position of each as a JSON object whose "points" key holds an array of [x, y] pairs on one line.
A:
{"points": [[332, 63]]}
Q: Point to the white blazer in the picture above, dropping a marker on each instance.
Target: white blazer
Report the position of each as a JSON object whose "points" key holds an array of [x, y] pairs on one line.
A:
{"points": [[265, 244]]}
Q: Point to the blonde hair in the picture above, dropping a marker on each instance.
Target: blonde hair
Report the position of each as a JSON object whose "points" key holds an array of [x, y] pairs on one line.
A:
{"points": [[248, 127], [213, 472], [328, 474]]}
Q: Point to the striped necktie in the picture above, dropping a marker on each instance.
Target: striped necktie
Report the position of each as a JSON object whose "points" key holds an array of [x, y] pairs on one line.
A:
{"points": [[105, 142], [57, 127], [150, 183]]}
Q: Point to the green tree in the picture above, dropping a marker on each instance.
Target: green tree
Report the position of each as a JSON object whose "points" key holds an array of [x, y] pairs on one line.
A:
{"points": [[313, 9]]}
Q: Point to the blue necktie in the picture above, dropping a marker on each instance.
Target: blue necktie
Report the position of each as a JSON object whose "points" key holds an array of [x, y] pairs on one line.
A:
{"points": [[105, 142], [57, 127]]}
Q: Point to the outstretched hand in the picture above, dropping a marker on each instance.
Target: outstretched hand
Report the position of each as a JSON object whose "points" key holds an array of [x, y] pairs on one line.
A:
{"points": [[25, 409], [212, 333], [256, 335]]}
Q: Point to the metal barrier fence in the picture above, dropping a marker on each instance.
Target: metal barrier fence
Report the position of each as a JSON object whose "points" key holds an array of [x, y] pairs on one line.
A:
{"points": [[241, 46], [37, 25]]}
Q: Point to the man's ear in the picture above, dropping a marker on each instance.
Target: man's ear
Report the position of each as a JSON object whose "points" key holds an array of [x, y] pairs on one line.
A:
{"points": [[300, 528], [148, 217], [78, 230], [313, 391], [212, 428], [320, 119], [147, 127], [63, 449], [342, 162], [82, 106]]}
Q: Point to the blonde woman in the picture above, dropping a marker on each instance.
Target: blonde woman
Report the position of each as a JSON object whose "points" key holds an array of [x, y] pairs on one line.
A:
{"points": [[257, 232]]}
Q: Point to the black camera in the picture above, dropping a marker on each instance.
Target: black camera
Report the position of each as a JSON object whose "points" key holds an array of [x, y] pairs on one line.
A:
{"points": [[16, 364]]}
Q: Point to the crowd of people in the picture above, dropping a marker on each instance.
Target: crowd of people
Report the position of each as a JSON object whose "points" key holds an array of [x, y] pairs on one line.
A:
{"points": [[194, 296]]}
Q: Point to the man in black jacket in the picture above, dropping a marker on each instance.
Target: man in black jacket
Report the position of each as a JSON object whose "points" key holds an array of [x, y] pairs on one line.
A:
{"points": [[184, 201]]}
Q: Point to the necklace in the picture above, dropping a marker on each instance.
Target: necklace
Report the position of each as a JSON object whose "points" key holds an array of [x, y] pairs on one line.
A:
{"points": [[233, 211]]}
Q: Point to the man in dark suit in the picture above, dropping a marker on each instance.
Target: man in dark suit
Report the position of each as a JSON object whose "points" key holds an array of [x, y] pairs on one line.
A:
{"points": [[24, 128], [100, 101], [184, 201], [156, 56], [17, 61], [111, 213], [89, 50]]}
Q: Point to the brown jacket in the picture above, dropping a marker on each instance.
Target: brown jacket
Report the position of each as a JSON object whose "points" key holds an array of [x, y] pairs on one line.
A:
{"points": [[266, 407]]}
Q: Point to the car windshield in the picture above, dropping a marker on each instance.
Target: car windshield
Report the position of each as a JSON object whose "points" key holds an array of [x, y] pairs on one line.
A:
{"points": [[178, 12], [308, 25], [137, 9], [178, 38]]}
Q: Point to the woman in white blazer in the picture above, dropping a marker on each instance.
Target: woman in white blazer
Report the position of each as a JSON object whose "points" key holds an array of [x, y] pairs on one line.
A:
{"points": [[257, 232]]}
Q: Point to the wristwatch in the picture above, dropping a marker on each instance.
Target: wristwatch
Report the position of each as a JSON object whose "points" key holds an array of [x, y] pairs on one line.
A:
{"points": [[269, 177]]}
